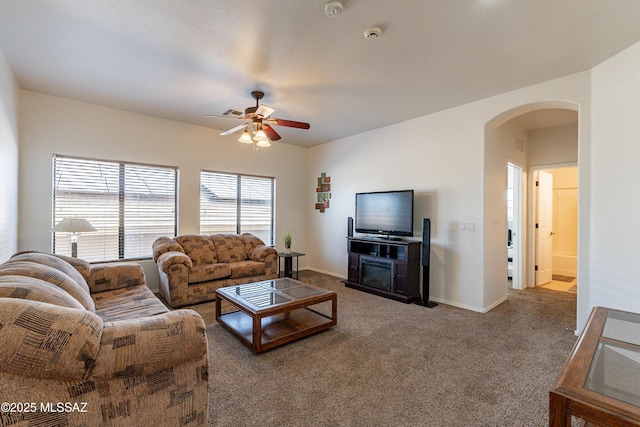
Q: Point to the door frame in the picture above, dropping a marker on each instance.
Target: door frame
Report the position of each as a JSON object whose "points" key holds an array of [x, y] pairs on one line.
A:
{"points": [[518, 221], [531, 223]]}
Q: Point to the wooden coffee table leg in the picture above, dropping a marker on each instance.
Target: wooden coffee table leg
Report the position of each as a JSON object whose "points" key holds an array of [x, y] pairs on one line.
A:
{"points": [[334, 309], [558, 415], [257, 334]]}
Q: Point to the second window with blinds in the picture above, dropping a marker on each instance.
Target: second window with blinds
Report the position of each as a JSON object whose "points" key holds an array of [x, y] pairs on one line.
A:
{"points": [[233, 203]]}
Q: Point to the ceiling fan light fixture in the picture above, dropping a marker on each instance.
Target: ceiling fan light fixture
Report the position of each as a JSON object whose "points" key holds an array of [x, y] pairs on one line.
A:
{"points": [[260, 136], [263, 143], [245, 138]]}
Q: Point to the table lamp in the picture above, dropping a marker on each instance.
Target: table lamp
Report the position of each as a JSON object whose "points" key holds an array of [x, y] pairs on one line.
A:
{"points": [[74, 226]]}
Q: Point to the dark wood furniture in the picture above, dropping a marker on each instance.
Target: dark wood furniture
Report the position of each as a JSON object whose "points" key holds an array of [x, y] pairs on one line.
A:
{"points": [[600, 381], [388, 268], [288, 264], [275, 312]]}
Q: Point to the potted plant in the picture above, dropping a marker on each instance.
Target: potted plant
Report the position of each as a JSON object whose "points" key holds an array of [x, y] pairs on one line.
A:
{"points": [[287, 241]]}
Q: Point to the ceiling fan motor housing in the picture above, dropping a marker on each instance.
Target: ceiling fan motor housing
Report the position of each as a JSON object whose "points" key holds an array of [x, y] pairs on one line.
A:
{"points": [[251, 111]]}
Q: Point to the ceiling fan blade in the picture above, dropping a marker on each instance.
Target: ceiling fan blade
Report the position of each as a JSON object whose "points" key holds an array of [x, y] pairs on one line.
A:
{"points": [[264, 111], [234, 130], [290, 123], [271, 133], [224, 117]]}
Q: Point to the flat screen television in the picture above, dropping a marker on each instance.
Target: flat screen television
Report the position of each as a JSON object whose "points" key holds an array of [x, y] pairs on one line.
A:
{"points": [[385, 212]]}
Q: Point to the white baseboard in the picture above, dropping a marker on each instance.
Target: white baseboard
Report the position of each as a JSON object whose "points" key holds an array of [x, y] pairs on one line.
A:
{"points": [[469, 307]]}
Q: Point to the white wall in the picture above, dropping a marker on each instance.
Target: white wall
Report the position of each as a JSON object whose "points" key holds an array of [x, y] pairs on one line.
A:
{"points": [[441, 157], [9, 96], [51, 125], [507, 143], [615, 184], [553, 145]]}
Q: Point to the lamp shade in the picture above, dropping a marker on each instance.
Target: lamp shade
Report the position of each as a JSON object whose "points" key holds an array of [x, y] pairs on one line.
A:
{"points": [[74, 225], [245, 138], [260, 135]]}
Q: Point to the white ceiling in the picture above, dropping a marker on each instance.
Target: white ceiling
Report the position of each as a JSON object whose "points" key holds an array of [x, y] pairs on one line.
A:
{"points": [[183, 59]]}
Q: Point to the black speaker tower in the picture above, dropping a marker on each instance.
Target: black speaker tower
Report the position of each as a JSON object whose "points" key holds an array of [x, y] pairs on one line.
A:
{"points": [[426, 260], [350, 226]]}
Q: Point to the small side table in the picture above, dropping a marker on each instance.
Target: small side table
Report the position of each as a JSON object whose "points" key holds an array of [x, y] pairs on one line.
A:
{"points": [[288, 263]]}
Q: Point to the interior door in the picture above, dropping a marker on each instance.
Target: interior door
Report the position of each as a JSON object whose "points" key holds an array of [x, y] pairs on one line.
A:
{"points": [[544, 228]]}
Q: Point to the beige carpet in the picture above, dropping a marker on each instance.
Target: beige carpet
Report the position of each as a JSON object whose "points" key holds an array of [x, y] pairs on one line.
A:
{"points": [[391, 364]]}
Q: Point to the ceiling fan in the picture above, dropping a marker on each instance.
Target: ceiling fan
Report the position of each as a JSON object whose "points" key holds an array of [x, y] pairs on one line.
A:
{"points": [[259, 121]]}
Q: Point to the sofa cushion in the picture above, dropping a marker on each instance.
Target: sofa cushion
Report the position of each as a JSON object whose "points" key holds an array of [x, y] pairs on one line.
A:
{"points": [[127, 303], [229, 247], [247, 268], [204, 273], [78, 272], [106, 277], [35, 290], [199, 248], [51, 275]]}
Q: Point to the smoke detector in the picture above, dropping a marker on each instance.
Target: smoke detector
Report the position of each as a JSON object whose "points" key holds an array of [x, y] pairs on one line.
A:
{"points": [[333, 9], [372, 33]]}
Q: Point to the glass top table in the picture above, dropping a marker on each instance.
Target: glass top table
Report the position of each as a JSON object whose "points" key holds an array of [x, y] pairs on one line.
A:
{"points": [[615, 368], [600, 381], [274, 312]]}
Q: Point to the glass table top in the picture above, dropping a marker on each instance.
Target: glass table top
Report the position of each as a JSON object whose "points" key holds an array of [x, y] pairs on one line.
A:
{"points": [[622, 326], [271, 292], [615, 368]]}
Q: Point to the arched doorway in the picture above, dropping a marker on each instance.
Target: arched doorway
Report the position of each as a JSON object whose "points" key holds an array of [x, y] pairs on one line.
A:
{"points": [[507, 141]]}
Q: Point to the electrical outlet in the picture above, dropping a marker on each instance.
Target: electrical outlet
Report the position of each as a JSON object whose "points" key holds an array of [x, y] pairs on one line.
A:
{"points": [[468, 226]]}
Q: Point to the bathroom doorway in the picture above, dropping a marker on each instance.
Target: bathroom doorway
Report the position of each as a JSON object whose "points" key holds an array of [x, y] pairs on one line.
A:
{"points": [[557, 238]]}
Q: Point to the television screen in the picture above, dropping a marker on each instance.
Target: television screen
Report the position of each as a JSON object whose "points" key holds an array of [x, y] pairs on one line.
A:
{"points": [[385, 212]]}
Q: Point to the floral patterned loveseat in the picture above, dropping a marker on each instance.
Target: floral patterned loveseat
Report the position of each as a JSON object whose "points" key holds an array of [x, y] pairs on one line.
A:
{"points": [[91, 345], [192, 267]]}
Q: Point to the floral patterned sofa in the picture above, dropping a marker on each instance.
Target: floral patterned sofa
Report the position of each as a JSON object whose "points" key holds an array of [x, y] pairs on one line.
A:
{"points": [[192, 267], [88, 345]]}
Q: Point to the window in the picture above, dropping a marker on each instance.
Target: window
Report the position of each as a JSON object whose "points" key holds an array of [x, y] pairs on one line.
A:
{"points": [[130, 205], [232, 203]]}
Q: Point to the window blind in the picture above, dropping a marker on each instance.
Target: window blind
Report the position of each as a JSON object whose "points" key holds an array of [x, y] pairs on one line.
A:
{"points": [[129, 204], [231, 203]]}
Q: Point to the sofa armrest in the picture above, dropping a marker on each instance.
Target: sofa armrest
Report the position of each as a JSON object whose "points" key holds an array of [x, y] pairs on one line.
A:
{"points": [[147, 345], [169, 259], [107, 277], [165, 244], [260, 253], [46, 341]]}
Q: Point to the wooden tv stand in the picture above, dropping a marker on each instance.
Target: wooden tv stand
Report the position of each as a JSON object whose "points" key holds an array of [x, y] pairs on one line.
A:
{"points": [[389, 268]]}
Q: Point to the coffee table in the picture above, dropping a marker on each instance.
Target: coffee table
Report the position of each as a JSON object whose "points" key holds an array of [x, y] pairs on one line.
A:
{"points": [[600, 381], [275, 312]]}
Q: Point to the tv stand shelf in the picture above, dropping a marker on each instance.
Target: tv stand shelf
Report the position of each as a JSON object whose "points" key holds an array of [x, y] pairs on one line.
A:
{"points": [[389, 268]]}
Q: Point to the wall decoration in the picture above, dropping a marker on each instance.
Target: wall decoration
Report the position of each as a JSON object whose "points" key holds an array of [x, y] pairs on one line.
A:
{"points": [[323, 192]]}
